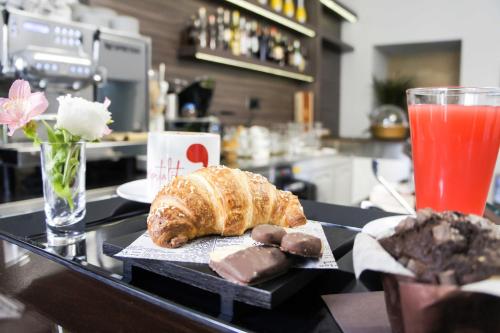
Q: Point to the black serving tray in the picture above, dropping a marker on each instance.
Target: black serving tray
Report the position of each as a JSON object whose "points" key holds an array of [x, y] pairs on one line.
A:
{"points": [[266, 295]]}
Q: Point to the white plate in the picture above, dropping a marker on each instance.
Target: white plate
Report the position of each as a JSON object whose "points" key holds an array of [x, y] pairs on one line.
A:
{"points": [[136, 190]]}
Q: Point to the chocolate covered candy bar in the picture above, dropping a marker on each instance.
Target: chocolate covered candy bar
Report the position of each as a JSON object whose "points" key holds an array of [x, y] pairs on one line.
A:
{"points": [[248, 265], [268, 234], [302, 244]]}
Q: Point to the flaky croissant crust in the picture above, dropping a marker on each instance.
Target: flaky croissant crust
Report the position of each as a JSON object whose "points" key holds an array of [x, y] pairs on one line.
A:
{"points": [[218, 201]]}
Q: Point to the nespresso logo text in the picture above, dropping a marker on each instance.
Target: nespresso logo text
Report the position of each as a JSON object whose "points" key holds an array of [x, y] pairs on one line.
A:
{"points": [[121, 48]]}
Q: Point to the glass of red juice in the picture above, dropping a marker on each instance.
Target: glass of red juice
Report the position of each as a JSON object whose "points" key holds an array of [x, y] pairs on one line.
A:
{"points": [[455, 136]]}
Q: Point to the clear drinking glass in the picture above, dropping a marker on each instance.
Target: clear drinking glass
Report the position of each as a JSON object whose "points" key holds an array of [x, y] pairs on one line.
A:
{"points": [[63, 175], [455, 134]]}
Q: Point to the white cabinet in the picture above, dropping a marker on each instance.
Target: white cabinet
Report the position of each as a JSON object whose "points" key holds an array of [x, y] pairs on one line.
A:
{"points": [[330, 174], [363, 180], [347, 180]]}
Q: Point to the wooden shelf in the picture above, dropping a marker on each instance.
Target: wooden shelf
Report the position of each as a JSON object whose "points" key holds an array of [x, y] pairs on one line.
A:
{"points": [[248, 63], [336, 43], [271, 15]]}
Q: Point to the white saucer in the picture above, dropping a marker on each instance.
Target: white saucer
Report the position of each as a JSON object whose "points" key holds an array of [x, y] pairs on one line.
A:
{"points": [[136, 190]]}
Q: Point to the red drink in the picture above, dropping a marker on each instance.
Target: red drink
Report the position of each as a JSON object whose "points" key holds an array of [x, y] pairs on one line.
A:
{"points": [[454, 151]]}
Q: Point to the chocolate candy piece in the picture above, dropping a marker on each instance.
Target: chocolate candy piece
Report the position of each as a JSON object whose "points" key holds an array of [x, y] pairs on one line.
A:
{"points": [[302, 244], [268, 234], [248, 265]]}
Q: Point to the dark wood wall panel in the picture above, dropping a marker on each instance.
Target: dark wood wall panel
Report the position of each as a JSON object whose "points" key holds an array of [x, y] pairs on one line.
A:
{"points": [[163, 21], [329, 90]]}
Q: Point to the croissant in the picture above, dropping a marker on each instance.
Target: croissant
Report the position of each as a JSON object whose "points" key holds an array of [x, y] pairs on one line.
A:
{"points": [[218, 201]]}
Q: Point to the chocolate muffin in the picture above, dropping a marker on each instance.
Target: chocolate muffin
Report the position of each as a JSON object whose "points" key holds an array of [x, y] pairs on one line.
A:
{"points": [[446, 248]]}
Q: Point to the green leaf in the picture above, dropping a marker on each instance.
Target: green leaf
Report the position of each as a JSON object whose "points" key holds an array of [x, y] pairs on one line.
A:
{"points": [[64, 163], [30, 130], [50, 132], [60, 155], [59, 136], [64, 192]]}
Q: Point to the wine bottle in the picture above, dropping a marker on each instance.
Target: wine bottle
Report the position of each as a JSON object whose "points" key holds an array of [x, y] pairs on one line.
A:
{"points": [[190, 35], [264, 44], [212, 32], [248, 34], [220, 28], [271, 44], [289, 8], [289, 53], [202, 16], [277, 5], [235, 33], [301, 14], [227, 30], [298, 59], [243, 37], [254, 43], [279, 51]]}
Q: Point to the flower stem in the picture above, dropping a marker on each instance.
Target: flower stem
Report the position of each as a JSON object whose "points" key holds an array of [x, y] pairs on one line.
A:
{"points": [[66, 172]]}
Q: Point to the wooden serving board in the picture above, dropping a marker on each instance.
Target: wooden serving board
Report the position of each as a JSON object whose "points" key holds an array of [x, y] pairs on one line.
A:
{"points": [[267, 294]]}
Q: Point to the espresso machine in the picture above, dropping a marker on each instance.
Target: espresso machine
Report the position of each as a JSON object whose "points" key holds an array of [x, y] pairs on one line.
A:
{"points": [[65, 57], [123, 62], [55, 57]]}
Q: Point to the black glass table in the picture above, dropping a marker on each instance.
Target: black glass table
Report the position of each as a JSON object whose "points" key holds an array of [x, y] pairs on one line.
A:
{"points": [[67, 279]]}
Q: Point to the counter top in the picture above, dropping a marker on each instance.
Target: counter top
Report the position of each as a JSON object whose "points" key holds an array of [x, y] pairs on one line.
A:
{"points": [[77, 287], [26, 154], [368, 148], [262, 165]]}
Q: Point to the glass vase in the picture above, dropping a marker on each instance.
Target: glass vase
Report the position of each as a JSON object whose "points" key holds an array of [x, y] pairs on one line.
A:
{"points": [[63, 175]]}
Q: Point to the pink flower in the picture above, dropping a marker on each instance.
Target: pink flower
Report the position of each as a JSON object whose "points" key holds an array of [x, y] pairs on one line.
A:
{"points": [[21, 106]]}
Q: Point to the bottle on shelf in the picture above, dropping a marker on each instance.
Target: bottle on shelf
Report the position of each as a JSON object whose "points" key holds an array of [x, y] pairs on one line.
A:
{"points": [[279, 51], [212, 32], [203, 36], [254, 39], [226, 45], [220, 28], [235, 34], [277, 5], [249, 37], [229, 31], [243, 37], [289, 53], [302, 53], [300, 13], [298, 58], [289, 8], [271, 44], [190, 35], [264, 44]]}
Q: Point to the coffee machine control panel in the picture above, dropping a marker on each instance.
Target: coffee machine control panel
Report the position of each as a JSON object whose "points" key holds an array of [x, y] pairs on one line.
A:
{"points": [[39, 47]]}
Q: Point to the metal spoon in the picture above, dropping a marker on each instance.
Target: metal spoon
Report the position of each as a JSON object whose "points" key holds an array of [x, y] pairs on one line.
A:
{"points": [[391, 190]]}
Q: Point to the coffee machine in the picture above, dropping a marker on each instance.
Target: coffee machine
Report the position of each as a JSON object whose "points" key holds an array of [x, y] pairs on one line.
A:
{"points": [[65, 57], [123, 61]]}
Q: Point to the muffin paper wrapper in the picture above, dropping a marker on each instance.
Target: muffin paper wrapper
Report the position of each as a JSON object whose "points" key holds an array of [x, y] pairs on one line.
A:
{"points": [[415, 307]]}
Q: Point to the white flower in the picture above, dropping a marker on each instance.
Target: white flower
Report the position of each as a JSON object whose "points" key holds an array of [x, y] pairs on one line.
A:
{"points": [[83, 118]]}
